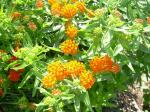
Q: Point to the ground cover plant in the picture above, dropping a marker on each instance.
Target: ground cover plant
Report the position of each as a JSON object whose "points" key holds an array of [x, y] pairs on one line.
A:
{"points": [[73, 55]]}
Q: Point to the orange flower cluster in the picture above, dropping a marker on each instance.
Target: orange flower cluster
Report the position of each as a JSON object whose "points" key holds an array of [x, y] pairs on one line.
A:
{"points": [[66, 9], [81, 6], [56, 92], [16, 15], [148, 20], [103, 64], [71, 31], [32, 26], [39, 4], [57, 69], [86, 79], [74, 68], [69, 47], [115, 68], [69, 11], [56, 9], [138, 20], [49, 81]]}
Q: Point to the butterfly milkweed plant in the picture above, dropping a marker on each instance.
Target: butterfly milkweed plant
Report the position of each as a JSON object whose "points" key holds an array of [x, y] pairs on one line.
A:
{"points": [[71, 55]]}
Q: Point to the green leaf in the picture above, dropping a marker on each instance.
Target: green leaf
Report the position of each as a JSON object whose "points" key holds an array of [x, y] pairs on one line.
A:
{"points": [[106, 39], [67, 96], [87, 101], [77, 104], [118, 49], [25, 79], [36, 84], [44, 92], [131, 67], [23, 65], [54, 49]]}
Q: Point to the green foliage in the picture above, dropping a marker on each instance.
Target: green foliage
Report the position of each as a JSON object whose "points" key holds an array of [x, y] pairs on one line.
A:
{"points": [[113, 30]]}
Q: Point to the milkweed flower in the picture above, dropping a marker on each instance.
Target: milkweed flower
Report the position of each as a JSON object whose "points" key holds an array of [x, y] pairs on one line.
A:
{"points": [[101, 64], [148, 20], [71, 31], [69, 11], [107, 63], [117, 13], [57, 69], [69, 47], [74, 68], [56, 92], [49, 81], [81, 6], [39, 4], [138, 20], [56, 9], [32, 26], [86, 79], [16, 15], [115, 68], [14, 76], [95, 64]]}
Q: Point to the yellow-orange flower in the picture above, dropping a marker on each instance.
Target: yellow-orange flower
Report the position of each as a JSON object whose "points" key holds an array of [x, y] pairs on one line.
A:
{"points": [[56, 92], [74, 68], [81, 6], [16, 15], [69, 11], [57, 69], [71, 31], [51, 2], [86, 79], [49, 81], [101, 64], [148, 20], [56, 9], [39, 4], [115, 68], [69, 47]]}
